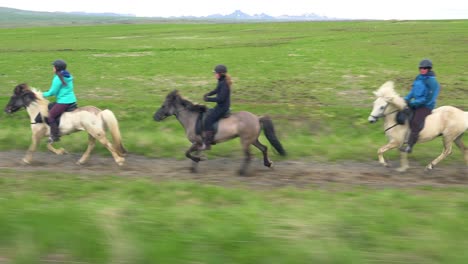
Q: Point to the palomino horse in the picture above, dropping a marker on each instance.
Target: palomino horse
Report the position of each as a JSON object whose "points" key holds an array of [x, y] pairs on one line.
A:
{"points": [[446, 121], [88, 118], [244, 125]]}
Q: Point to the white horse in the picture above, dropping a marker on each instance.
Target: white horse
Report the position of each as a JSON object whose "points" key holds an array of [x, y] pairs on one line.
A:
{"points": [[446, 121], [89, 118]]}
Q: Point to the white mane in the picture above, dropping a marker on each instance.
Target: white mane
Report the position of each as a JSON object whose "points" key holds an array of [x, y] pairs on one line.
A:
{"points": [[387, 90], [41, 102]]}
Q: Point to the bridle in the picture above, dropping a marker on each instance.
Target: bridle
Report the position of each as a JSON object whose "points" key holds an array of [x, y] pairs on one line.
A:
{"points": [[384, 115]]}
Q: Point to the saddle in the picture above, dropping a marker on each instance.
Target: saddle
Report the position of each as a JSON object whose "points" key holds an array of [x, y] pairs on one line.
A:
{"points": [[403, 115], [70, 108], [199, 128]]}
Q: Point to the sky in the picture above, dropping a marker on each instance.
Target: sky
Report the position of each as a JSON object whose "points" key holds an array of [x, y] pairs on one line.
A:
{"points": [[357, 9]]}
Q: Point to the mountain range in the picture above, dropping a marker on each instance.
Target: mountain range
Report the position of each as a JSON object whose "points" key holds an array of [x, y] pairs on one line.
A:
{"points": [[11, 16], [238, 15]]}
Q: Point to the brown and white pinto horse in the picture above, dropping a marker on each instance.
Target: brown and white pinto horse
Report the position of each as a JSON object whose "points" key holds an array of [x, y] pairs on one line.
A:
{"points": [[88, 118]]}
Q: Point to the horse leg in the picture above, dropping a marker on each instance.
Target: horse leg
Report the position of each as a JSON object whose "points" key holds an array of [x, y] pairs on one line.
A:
{"points": [[448, 141], [195, 160], [91, 145], [461, 146], [36, 137], [59, 151], [267, 162], [391, 145], [247, 159], [100, 135], [404, 164]]}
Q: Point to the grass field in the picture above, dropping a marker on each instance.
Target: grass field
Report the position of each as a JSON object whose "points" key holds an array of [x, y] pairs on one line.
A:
{"points": [[314, 79], [52, 218]]}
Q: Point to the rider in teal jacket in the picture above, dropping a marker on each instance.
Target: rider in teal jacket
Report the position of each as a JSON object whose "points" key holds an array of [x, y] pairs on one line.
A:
{"points": [[62, 89], [64, 94]]}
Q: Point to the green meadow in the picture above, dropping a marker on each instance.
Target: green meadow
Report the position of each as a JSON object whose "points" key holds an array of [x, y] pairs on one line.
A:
{"points": [[314, 79]]}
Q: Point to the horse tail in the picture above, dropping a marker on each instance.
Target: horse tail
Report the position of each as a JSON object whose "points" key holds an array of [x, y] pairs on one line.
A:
{"points": [[270, 134], [111, 123]]}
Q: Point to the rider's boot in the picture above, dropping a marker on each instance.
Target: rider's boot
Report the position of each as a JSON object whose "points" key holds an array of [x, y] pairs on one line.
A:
{"points": [[208, 140], [54, 133]]}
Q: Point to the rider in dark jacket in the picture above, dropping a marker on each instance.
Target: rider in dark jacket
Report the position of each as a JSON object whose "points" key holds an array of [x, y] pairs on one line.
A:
{"points": [[223, 102], [422, 99]]}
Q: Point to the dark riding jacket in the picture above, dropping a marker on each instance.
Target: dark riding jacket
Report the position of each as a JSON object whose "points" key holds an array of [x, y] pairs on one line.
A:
{"points": [[223, 103], [223, 95]]}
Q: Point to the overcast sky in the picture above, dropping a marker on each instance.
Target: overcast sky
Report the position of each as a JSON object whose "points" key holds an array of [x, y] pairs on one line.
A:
{"points": [[365, 9]]}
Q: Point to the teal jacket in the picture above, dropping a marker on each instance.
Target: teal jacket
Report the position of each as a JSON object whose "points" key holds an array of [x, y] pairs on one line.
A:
{"points": [[63, 93]]}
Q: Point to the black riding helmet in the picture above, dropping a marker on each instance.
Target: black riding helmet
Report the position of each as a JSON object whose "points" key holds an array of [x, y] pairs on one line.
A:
{"points": [[59, 65], [220, 69], [426, 63]]}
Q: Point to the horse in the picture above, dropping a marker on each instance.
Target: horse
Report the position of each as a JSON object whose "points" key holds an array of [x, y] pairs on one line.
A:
{"points": [[88, 118], [244, 125], [446, 121]]}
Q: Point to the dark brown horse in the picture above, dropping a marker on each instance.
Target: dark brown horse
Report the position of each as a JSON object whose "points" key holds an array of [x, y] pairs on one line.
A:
{"points": [[244, 125]]}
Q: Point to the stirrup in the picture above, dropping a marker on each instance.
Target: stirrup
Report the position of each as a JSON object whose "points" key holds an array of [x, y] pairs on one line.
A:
{"points": [[406, 149], [205, 146], [53, 139]]}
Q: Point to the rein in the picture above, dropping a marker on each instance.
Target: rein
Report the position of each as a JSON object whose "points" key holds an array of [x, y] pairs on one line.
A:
{"points": [[384, 115]]}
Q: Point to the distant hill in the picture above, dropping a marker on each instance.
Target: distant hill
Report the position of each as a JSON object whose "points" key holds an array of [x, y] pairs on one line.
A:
{"points": [[15, 17], [10, 17]]}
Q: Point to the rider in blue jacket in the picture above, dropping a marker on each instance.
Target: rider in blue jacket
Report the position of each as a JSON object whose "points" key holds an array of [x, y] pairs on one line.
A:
{"points": [[422, 99]]}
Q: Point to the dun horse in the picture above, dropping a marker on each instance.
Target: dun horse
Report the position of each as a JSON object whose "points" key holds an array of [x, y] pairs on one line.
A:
{"points": [[244, 125], [446, 121], [88, 118]]}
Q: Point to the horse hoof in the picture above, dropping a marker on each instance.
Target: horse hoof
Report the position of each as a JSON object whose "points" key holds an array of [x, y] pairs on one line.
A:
{"points": [[25, 161], [402, 169], [428, 168], [80, 162], [62, 152], [120, 162], [243, 173]]}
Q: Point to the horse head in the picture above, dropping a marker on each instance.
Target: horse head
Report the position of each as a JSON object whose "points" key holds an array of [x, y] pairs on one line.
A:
{"points": [[169, 106], [174, 103], [22, 96], [387, 102]]}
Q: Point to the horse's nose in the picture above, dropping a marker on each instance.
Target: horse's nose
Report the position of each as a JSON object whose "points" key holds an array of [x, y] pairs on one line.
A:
{"points": [[371, 119]]}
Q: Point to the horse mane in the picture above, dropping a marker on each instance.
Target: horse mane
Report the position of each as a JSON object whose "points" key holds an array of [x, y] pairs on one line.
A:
{"points": [[36, 96], [387, 91], [189, 105]]}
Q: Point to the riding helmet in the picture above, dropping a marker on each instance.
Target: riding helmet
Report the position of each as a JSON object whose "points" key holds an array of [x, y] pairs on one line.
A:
{"points": [[220, 68], [426, 63], [60, 65]]}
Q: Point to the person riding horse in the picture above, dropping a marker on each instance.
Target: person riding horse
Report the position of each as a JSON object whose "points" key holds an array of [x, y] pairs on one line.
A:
{"points": [[422, 99], [223, 102], [62, 89]]}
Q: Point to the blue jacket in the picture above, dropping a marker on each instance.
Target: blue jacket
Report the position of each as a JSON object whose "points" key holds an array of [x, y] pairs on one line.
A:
{"points": [[424, 91], [63, 93]]}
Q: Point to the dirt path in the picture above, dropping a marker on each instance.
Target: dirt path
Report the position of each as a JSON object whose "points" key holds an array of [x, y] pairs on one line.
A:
{"points": [[221, 171]]}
